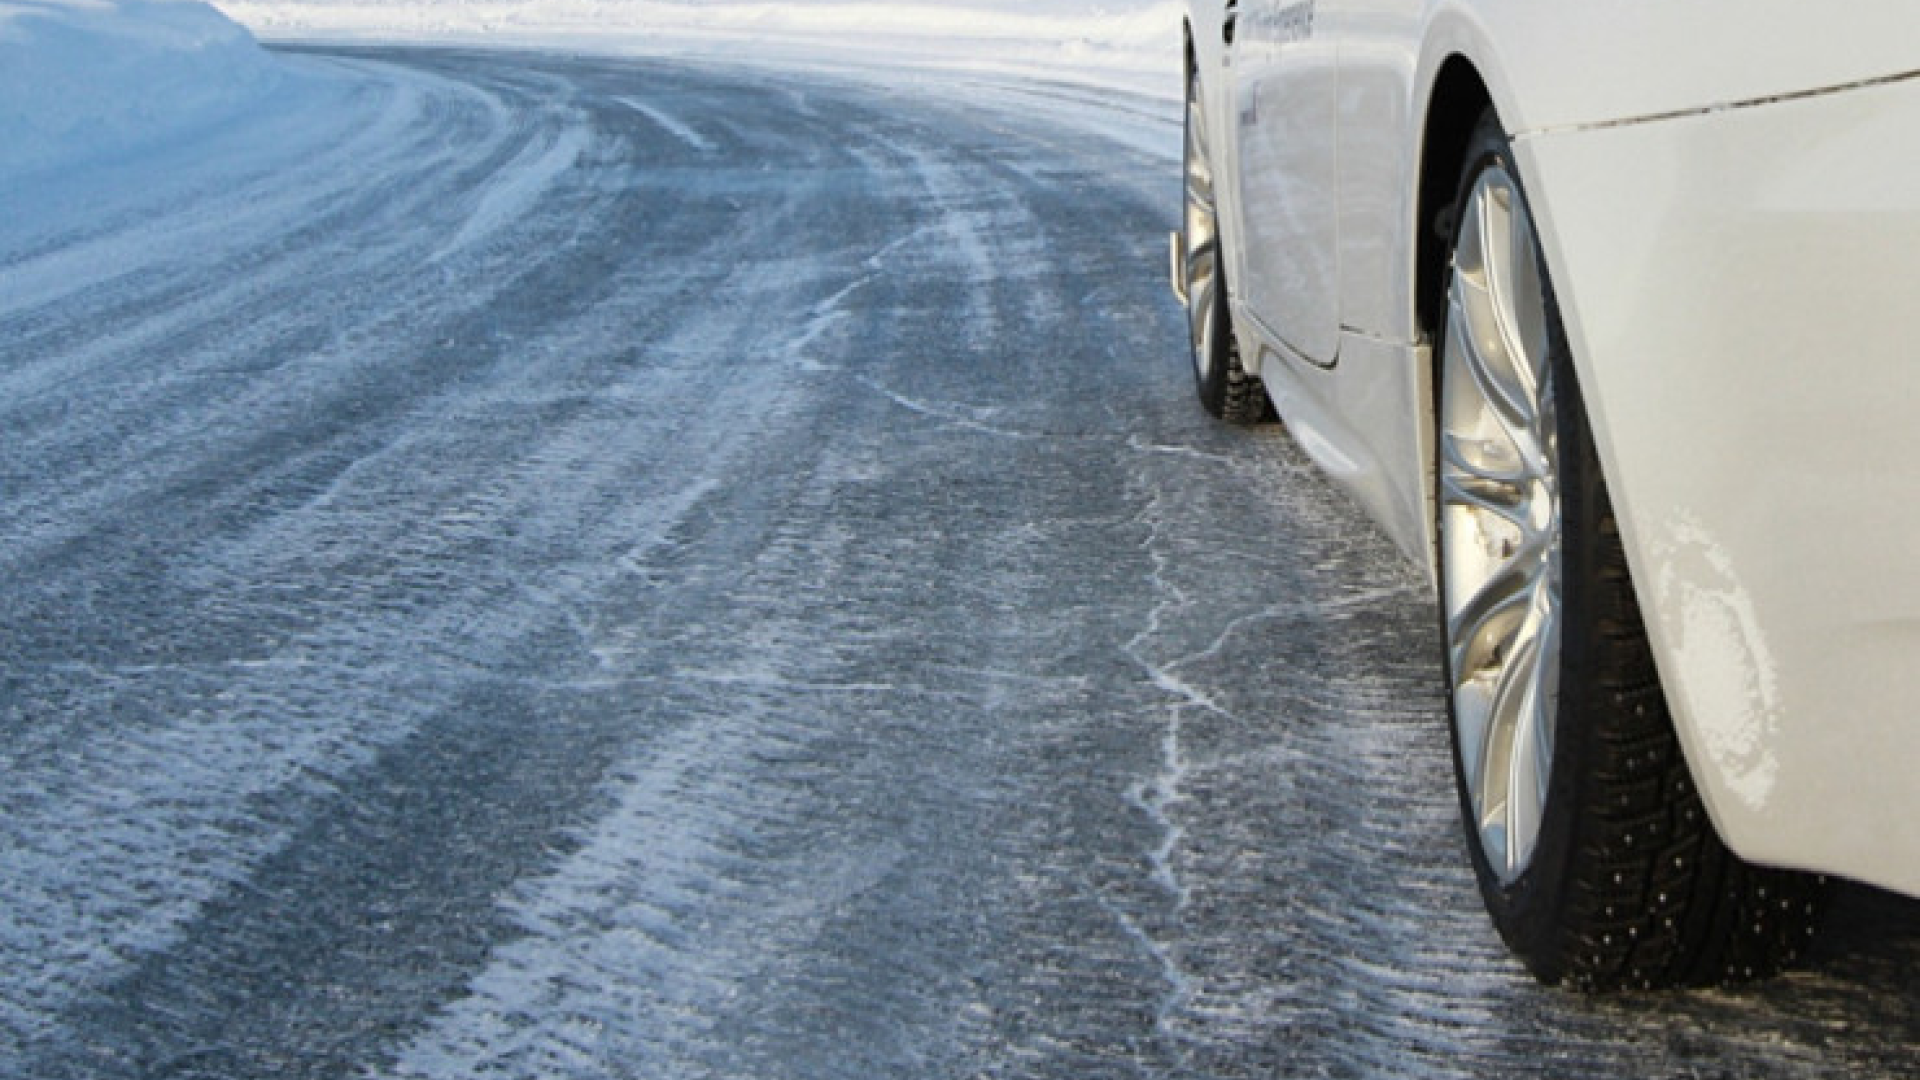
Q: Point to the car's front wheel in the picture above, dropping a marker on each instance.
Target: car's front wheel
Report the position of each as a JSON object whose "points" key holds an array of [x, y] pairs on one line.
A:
{"points": [[1592, 848], [1226, 388]]}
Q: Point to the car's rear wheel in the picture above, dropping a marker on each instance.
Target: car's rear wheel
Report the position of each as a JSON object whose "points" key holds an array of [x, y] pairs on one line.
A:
{"points": [[1226, 388], [1592, 848]]}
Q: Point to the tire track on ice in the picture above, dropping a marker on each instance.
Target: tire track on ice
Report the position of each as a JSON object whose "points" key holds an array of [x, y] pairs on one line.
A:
{"points": [[154, 756]]}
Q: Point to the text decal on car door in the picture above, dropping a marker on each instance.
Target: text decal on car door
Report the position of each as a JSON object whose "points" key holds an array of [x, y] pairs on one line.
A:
{"points": [[1282, 24]]}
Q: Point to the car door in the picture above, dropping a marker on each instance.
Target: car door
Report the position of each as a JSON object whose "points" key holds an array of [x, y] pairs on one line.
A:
{"points": [[1285, 85]]}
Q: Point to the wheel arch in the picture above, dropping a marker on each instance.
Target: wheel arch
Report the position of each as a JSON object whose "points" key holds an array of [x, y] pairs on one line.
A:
{"points": [[1457, 96], [1455, 103]]}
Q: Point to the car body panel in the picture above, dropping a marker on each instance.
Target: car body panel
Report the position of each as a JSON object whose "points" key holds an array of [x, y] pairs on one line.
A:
{"points": [[1377, 116], [1570, 65], [1383, 466], [1284, 81], [1732, 233], [1740, 309]]}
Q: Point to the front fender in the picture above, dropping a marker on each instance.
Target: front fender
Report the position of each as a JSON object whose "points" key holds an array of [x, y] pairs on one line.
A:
{"points": [[1559, 66]]}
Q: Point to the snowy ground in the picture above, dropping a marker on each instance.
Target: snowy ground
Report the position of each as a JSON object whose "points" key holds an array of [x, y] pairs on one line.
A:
{"points": [[83, 81], [1132, 43]]}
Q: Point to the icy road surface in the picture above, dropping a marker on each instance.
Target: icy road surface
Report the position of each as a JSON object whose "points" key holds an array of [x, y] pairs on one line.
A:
{"points": [[566, 568]]}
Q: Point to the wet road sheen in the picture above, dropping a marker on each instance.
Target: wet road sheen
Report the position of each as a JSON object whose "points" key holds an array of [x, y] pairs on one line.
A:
{"points": [[609, 568]]}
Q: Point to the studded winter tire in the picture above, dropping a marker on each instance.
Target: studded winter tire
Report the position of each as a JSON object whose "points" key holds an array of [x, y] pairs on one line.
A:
{"points": [[1227, 390], [1593, 850]]}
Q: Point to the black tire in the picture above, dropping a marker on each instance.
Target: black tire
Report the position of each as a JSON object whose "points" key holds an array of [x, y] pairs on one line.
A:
{"points": [[1226, 389], [1628, 885]]}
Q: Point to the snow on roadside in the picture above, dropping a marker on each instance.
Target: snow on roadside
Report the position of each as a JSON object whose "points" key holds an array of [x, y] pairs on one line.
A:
{"points": [[91, 81], [1126, 43], [88, 80]]}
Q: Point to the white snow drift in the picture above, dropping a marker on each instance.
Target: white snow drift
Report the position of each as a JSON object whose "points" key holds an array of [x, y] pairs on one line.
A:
{"points": [[82, 80], [1120, 41]]}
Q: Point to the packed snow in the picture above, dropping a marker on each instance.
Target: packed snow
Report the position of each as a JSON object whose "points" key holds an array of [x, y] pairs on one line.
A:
{"points": [[1120, 40], [89, 81], [81, 79]]}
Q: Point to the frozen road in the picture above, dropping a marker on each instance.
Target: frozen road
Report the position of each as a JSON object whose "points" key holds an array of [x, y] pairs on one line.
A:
{"points": [[567, 568]]}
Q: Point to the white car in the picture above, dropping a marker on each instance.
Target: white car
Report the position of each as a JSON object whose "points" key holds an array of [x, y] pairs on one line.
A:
{"points": [[1607, 313]]}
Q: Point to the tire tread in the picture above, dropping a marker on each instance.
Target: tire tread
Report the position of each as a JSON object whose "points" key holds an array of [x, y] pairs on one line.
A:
{"points": [[1243, 398], [1636, 889], [1661, 901]]}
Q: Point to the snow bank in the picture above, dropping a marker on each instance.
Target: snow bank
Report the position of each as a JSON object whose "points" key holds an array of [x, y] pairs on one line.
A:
{"points": [[1119, 24], [83, 80], [1128, 41]]}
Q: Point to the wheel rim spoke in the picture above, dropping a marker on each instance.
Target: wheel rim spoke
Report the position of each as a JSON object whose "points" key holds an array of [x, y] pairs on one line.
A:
{"points": [[1202, 233], [1201, 313], [1478, 317], [1501, 379], [1200, 286], [1471, 478], [1516, 728], [1481, 630], [1500, 523], [1199, 166]]}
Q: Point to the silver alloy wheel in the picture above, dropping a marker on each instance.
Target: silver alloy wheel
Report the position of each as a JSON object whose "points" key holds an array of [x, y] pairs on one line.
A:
{"points": [[1500, 521], [1202, 225]]}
